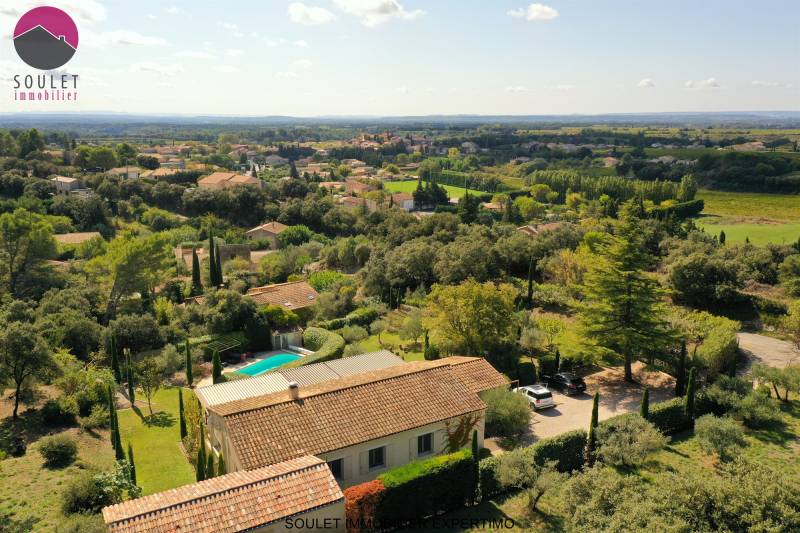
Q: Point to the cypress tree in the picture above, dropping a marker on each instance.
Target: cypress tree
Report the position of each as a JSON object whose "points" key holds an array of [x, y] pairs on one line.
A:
{"points": [[217, 367], [210, 465], [688, 406], [197, 282], [189, 377], [558, 360], [680, 373], [530, 284], [220, 279], [535, 372], [591, 441], [475, 467], [182, 421], [221, 465], [131, 393], [722, 237], [133, 465], [115, 360], [644, 409], [212, 261], [201, 454]]}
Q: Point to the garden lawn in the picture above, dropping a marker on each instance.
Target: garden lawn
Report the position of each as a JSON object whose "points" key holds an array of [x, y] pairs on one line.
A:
{"points": [[392, 342], [160, 463], [762, 218], [411, 185], [28, 488]]}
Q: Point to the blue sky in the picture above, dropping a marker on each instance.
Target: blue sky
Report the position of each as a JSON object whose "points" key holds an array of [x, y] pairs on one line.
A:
{"points": [[401, 57]]}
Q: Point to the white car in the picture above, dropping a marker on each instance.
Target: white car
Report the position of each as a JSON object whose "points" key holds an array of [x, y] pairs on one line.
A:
{"points": [[539, 396]]}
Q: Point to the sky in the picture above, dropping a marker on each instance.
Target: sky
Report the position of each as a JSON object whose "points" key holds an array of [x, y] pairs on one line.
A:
{"points": [[421, 57]]}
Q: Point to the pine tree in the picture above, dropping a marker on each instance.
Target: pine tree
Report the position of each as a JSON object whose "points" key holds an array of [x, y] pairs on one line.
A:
{"points": [[189, 376], [115, 360], [197, 282], [622, 306], [680, 372], [221, 465], [131, 392], [132, 464], [591, 440], [182, 414], [529, 299], [216, 367], [644, 409], [210, 465], [688, 406], [475, 467]]}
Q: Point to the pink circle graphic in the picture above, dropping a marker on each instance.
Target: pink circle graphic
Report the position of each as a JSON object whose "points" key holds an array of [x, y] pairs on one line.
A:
{"points": [[46, 37]]}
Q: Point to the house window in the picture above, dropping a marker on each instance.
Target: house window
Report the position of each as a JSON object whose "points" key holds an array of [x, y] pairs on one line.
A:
{"points": [[337, 468], [425, 444], [377, 457]]}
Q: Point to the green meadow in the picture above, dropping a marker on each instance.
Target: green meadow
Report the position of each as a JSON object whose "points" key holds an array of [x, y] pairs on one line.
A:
{"points": [[411, 186], [762, 218]]}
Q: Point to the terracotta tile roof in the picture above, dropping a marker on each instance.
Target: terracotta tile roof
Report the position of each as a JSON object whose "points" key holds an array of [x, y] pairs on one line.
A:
{"points": [[475, 373], [239, 501], [76, 238], [339, 413], [217, 177], [292, 295], [402, 196], [272, 227], [535, 229]]}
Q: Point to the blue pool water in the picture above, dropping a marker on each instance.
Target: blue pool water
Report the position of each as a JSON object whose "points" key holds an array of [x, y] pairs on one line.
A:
{"points": [[268, 364]]}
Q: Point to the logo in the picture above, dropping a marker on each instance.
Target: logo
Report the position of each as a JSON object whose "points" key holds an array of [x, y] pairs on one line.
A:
{"points": [[46, 38]]}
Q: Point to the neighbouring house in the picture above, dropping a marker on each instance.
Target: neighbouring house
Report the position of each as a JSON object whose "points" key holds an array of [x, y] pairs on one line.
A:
{"points": [[362, 424], [276, 160], [279, 379], [332, 185], [353, 202], [403, 200], [126, 173], [224, 180], [268, 231], [76, 238], [160, 172], [226, 252], [259, 500], [66, 185], [536, 229], [497, 207], [356, 187], [469, 147], [293, 295], [610, 162], [353, 163]]}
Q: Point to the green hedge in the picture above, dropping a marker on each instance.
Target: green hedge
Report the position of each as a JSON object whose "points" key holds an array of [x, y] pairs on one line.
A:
{"points": [[425, 488], [680, 211], [566, 450], [669, 416], [363, 316], [326, 344]]}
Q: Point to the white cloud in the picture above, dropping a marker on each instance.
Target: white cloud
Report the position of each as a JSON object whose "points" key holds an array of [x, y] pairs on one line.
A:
{"points": [[710, 83], [646, 83], [534, 12], [122, 37], [375, 12], [229, 26], [233, 52], [157, 68], [285, 75], [195, 54], [303, 63], [516, 89], [762, 83], [300, 13], [566, 87], [226, 69], [403, 89], [173, 10], [151, 16], [300, 43]]}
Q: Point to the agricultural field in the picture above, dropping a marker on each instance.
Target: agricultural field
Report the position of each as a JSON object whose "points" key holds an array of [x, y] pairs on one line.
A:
{"points": [[762, 218], [411, 185]]}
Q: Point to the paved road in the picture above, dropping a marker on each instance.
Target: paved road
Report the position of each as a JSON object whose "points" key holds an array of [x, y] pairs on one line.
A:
{"points": [[766, 350]]}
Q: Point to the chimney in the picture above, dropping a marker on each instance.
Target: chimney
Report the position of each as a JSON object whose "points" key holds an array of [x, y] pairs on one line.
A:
{"points": [[294, 390], [62, 38]]}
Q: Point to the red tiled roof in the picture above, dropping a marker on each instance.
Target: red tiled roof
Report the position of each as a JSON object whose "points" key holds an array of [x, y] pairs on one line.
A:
{"points": [[234, 502], [292, 295], [272, 227]]}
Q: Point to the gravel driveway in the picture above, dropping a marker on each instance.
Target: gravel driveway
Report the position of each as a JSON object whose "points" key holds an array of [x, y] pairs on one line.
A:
{"points": [[766, 350]]}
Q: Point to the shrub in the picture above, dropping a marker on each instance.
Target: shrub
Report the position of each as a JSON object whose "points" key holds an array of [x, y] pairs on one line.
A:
{"points": [[721, 435], [82, 523], [517, 471], [58, 450], [363, 316], [354, 333], [669, 416], [89, 491], [757, 410], [327, 345], [361, 503], [626, 440], [98, 418], [61, 412], [507, 413]]}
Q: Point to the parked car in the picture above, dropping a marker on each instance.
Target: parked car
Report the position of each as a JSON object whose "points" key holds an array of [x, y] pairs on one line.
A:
{"points": [[566, 382], [539, 396]]}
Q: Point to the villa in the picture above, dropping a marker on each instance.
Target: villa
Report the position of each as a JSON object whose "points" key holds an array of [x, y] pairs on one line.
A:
{"points": [[223, 180], [293, 295], [268, 231]]}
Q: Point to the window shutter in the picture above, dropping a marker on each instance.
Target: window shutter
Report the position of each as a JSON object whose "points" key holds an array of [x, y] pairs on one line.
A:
{"points": [[412, 451], [363, 462]]}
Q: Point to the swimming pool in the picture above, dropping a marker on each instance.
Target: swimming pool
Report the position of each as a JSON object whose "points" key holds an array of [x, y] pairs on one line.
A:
{"points": [[268, 364]]}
